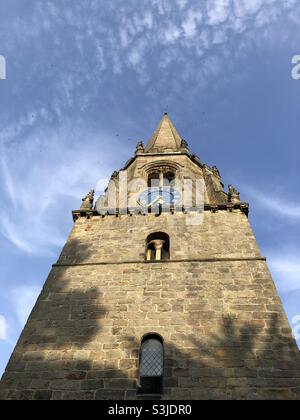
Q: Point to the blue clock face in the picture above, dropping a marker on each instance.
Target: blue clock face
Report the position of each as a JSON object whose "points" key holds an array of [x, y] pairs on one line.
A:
{"points": [[159, 196]]}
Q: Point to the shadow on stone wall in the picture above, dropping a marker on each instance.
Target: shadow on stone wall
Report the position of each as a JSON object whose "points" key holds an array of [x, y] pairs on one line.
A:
{"points": [[241, 362], [58, 355]]}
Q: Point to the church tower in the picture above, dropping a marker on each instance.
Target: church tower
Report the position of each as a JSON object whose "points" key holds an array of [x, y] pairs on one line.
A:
{"points": [[160, 292]]}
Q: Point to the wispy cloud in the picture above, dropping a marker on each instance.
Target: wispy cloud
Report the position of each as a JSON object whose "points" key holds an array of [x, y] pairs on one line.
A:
{"points": [[23, 299], [286, 272], [178, 33], [276, 204], [81, 59], [192, 21], [218, 11], [285, 264], [40, 178], [2, 328], [296, 328], [279, 206]]}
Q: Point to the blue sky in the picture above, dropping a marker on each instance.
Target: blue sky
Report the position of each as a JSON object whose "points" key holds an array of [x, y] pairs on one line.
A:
{"points": [[87, 79]]}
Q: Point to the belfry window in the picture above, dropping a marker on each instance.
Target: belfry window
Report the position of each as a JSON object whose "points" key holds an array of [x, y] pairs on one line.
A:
{"points": [[161, 183], [158, 247], [161, 178], [154, 180], [151, 364]]}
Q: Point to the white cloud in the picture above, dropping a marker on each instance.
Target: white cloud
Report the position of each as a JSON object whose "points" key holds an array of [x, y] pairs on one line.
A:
{"points": [[171, 33], [181, 3], [137, 52], [23, 299], [275, 203], [114, 43], [245, 7], [286, 272], [2, 328], [296, 327], [192, 20], [285, 266], [218, 11], [130, 37], [40, 178]]}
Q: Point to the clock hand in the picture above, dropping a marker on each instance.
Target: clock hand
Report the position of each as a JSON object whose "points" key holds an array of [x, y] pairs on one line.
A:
{"points": [[154, 201], [159, 198]]}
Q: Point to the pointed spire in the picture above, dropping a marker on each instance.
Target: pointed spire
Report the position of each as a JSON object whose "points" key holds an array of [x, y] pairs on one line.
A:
{"points": [[165, 138]]}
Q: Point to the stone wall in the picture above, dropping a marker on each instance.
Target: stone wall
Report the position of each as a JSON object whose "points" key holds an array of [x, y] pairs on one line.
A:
{"points": [[110, 239], [224, 329]]}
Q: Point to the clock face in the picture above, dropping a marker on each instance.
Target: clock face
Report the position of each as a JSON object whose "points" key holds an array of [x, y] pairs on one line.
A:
{"points": [[159, 196]]}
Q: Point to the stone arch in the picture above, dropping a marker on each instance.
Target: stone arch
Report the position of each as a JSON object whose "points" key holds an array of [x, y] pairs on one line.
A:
{"points": [[158, 246]]}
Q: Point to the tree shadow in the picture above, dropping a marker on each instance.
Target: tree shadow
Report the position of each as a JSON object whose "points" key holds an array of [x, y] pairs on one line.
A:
{"points": [[243, 361], [75, 346]]}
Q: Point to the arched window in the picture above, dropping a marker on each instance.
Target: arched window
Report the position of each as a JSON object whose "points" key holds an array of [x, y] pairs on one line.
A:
{"points": [[151, 364], [161, 183], [158, 247], [154, 180]]}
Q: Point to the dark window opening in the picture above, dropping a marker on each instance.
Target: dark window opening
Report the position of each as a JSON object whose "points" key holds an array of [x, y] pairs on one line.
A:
{"points": [[151, 252], [154, 180], [151, 364]]}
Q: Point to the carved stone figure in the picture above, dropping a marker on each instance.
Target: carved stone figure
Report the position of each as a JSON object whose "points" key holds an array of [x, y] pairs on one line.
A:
{"points": [[216, 171], [140, 148], [184, 144], [88, 201], [115, 174], [233, 194]]}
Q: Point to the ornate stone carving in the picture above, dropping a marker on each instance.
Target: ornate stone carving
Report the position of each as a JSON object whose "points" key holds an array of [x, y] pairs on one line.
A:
{"points": [[196, 159], [115, 174], [233, 194], [140, 148], [88, 201], [216, 171], [184, 145]]}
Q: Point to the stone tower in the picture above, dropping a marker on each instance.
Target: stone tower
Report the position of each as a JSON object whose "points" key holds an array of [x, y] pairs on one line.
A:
{"points": [[158, 294]]}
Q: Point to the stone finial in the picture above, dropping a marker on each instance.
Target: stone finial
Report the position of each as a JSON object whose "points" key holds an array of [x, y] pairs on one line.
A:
{"points": [[233, 194], [88, 201], [115, 174], [140, 148], [216, 171], [184, 144], [196, 159]]}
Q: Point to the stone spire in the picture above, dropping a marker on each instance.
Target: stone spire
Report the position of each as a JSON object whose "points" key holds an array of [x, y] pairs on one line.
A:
{"points": [[165, 138]]}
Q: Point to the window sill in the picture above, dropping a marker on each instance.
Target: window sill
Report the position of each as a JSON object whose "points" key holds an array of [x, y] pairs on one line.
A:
{"points": [[148, 396], [153, 396]]}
